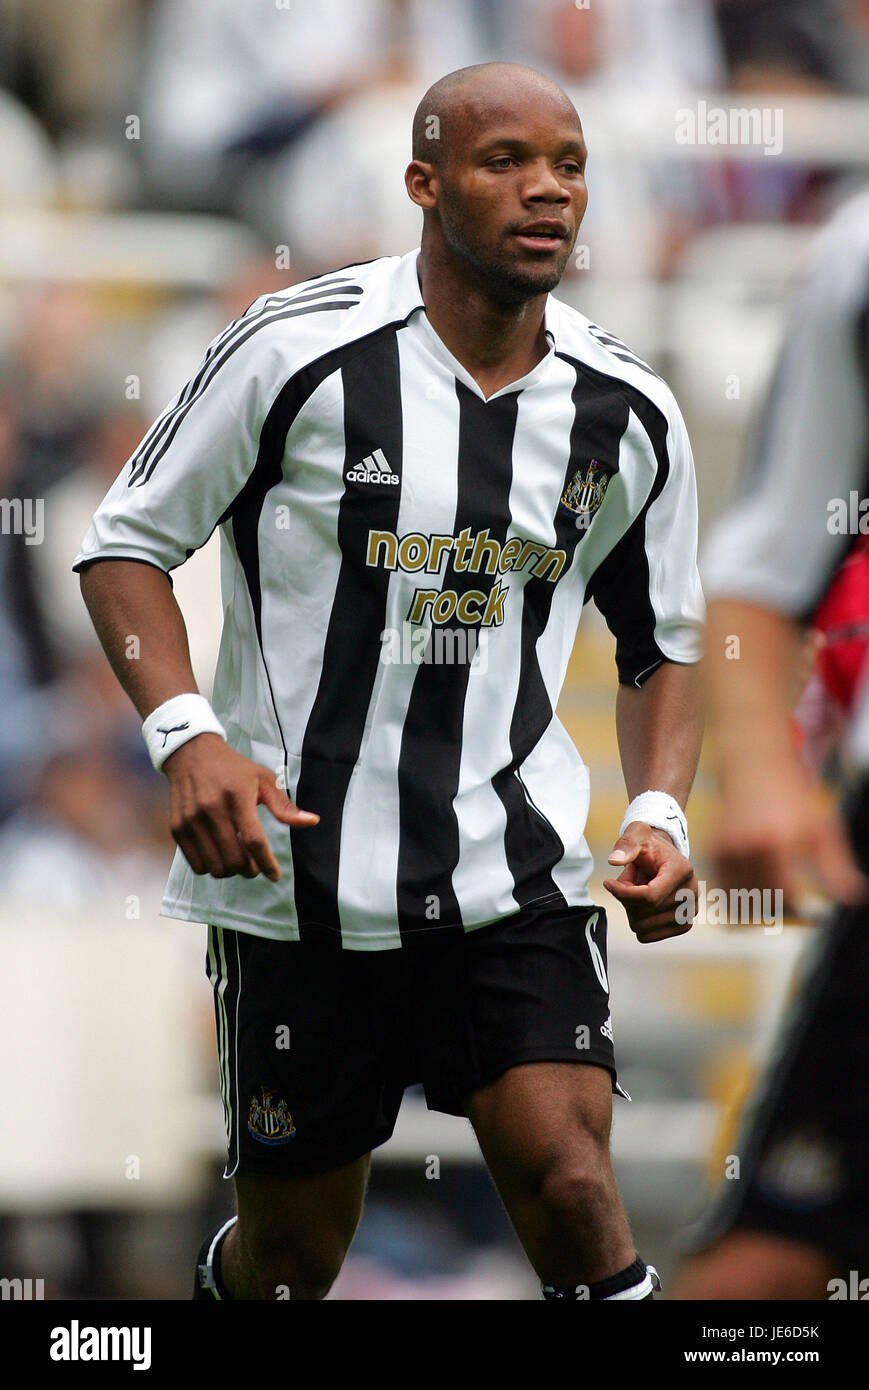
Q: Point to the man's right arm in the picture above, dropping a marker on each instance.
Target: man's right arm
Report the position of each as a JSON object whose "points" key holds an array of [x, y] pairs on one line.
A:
{"points": [[767, 563], [214, 791], [774, 821]]}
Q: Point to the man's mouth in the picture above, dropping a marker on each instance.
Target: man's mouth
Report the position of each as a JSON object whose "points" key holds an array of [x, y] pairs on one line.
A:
{"points": [[542, 236]]}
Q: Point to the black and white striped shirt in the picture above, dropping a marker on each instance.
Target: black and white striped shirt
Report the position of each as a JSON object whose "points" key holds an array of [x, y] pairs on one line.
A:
{"points": [[404, 564]]}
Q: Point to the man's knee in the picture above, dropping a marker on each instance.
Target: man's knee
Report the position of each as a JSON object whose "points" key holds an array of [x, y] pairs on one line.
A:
{"points": [[293, 1232], [566, 1163], [577, 1180]]}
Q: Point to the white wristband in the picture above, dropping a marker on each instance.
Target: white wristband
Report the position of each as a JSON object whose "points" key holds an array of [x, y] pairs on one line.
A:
{"points": [[175, 722], [663, 812]]}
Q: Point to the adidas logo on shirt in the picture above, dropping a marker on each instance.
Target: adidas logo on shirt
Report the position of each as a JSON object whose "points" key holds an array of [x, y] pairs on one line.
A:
{"points": [[374, 468]]}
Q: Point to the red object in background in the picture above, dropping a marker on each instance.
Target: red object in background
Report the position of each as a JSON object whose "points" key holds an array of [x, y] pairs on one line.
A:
{"points": [[842, 619], [841, 629]]}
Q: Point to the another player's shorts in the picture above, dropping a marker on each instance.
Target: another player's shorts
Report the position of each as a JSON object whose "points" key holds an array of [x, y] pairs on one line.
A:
{"points": [[804, 1146], [316, 1044]]}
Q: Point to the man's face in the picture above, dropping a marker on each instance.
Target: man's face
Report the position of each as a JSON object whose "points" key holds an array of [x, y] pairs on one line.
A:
{"points": [[512, 194]]}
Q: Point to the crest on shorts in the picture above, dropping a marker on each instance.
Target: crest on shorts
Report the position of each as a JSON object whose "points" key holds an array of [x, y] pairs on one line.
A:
{"points": [[804, 1168], [268, 1121], [585, 492]]}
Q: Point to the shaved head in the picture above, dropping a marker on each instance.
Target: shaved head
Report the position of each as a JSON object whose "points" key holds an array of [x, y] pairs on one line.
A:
{"points": [[454, 108], [498, 169]]}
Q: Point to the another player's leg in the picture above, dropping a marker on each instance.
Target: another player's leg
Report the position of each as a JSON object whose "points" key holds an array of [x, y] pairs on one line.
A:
{"points": [[795, 1216], [544, 1131], [757, 1265], [290, 1237]]}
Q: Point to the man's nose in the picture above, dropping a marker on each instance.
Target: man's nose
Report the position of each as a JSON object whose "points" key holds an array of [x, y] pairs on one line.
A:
{"points": [[544, 183]]}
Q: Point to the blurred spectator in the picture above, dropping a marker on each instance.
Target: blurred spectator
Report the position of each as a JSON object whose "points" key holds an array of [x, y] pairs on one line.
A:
{"points": [[95, 822], [228, 81], [52, 377], [71, 64], [26, 660], [632, 45], [796, 45], [781, 48], [28, 176], [45, 422], [69, 506]]}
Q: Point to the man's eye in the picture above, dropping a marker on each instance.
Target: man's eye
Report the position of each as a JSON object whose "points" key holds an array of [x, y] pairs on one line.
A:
{"points": [[572, 168], [501, 161]]}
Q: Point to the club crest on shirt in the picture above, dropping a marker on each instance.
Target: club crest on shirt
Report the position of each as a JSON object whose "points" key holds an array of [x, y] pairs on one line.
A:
{"points": [[270, 1122], [585, 492]]}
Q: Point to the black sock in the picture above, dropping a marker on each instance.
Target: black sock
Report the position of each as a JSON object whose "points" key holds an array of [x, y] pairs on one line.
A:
{"points": [[637, 1282], [208, 1282]]}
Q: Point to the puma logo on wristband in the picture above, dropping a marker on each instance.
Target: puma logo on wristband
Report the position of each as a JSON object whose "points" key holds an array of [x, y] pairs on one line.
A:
{"points": [[175, 722], [660, 809], [176, 729]]}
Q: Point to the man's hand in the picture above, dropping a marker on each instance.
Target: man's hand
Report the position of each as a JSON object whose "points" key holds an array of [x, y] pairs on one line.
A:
{"points": [[214, 795], [648, 885], [775, 829]]}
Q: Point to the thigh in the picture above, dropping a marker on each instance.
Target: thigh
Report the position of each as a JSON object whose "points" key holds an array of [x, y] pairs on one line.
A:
{"points": [[538, 1116], [305, 1075]]}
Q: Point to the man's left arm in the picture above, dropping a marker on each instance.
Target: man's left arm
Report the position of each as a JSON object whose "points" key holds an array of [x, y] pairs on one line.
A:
{"points": [[660, 729]]}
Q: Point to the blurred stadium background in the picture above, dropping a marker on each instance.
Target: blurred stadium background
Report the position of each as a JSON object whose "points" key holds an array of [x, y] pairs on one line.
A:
{"points": [[162, 163]]}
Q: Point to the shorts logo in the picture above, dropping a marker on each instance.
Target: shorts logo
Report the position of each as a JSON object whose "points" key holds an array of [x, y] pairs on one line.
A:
{"points": [[607, 1028], [270, 1123], [585, 492], [803, 1169], [595, 952], [374, 468]]}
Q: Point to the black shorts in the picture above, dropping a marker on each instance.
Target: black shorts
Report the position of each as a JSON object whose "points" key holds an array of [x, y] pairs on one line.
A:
{"points": [[316, 1044], [804, 1144]]}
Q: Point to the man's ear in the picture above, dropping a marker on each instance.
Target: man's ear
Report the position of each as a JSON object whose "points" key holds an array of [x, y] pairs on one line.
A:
{"points": [[420, 180]]}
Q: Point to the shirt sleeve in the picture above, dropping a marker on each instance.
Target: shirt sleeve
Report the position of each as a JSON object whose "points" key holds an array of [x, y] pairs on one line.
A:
{"points": [[648, 588], [196, 457], [790, 522]]}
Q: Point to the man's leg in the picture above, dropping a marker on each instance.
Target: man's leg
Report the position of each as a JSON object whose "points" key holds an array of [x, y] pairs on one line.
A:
{"points": [[292, 1233], [311, 1113], [544, 1131]]}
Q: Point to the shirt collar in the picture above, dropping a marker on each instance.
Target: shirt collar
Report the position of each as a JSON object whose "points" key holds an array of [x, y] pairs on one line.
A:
{"points": [[416, 314]]}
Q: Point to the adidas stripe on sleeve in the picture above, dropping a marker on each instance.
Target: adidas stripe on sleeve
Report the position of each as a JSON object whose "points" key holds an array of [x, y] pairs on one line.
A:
{"points": [[200, 452]]}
